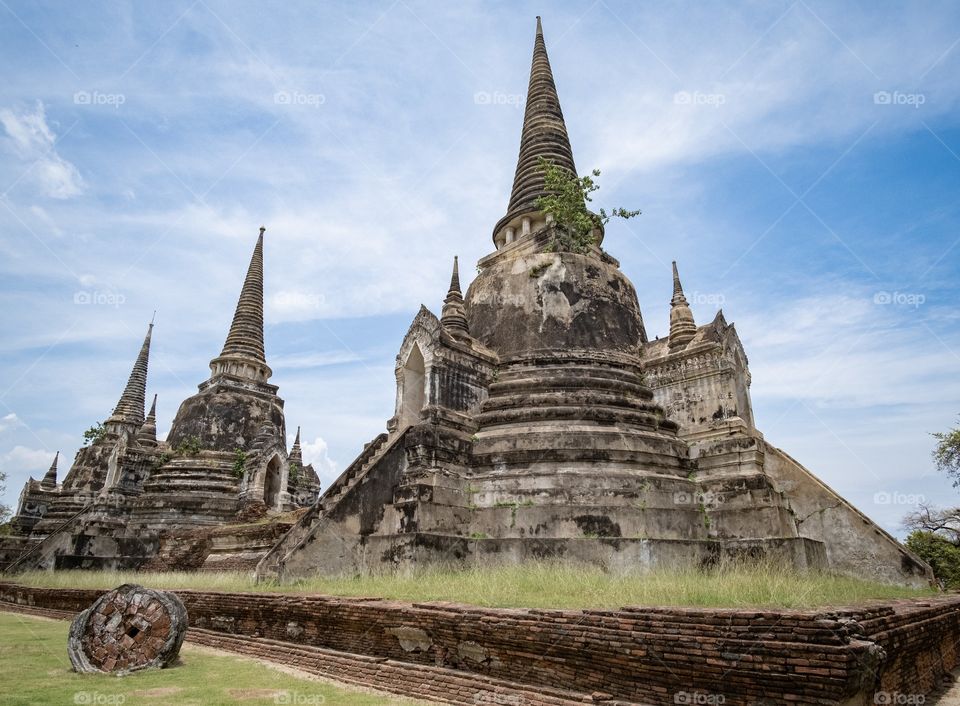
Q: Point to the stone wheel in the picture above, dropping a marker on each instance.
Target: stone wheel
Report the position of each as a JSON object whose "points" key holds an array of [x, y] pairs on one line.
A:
{"points": [[128, 629]]}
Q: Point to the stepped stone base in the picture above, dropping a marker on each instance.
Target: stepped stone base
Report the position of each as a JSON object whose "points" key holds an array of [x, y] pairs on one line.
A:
{"points": [[237, 547], [618, 555], [13, 547]]}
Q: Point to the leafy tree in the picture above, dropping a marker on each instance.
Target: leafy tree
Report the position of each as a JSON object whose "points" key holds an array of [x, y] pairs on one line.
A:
{"points": [[935, 535], [566, 200], [4, 510], [938, 551], [946, 454], [944, 523], [94, 434]]}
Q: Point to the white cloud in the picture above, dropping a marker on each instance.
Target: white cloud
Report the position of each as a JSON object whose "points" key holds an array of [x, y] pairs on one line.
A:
{"points": [[10, 421], [30, 137], [22, 459], [316, 453], [44, 218], [841, 350], [312, 360], [750, 89]]}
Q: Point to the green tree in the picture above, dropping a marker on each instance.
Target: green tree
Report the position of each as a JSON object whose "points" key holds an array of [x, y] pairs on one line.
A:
{"points": [[946, 454], [938, 551], [935, 532], [566, 200], [4, 510], [93, 434]]}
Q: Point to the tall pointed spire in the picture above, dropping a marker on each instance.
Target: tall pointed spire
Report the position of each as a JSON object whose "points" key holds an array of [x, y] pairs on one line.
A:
{"points": [[147, 436], [682, 326], [243, 354], [129, 410], [454, 315], [544, 135], [50, 480], [296, 453]]}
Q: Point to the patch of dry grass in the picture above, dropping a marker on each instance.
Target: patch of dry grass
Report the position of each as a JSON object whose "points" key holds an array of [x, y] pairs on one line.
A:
{"points": [[535, 585]]}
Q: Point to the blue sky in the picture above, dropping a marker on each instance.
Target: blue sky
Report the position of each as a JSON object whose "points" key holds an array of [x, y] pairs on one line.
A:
{"points": [[800, 160]]}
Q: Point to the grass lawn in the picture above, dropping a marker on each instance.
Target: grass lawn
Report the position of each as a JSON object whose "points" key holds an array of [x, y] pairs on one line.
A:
{"points": [[35, 670], [536, 586]]}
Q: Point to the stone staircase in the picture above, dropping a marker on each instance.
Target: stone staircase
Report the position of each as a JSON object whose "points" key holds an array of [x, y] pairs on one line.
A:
{"points": [[13, 547], [355, 471], [354, 474], [189, 490]]}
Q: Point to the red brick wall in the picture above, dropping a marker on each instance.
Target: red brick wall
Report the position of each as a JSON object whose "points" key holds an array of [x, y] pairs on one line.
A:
{"points": [[653, 655]]}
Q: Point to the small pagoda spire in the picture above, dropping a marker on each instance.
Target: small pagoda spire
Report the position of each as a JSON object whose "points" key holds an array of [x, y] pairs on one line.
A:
{"points": [[129, 410], [454, 315], [296, 453], [544, 135], [682, 326], [50, 479], [147, 436], [243, 353]]}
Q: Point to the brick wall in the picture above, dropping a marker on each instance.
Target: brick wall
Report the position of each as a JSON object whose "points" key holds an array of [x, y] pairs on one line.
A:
{"points": [[639, 654]]}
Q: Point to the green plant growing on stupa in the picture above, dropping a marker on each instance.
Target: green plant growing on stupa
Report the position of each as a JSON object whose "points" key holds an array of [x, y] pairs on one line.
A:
{"points": [[189, 446], [239, 463], [566, 200], [294, 472], [94, 434]]}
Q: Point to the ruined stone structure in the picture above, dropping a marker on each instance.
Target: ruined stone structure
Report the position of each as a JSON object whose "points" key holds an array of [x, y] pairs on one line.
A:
{"points": [[225, 456], [35, 500], [534, 419], [126, 630]]}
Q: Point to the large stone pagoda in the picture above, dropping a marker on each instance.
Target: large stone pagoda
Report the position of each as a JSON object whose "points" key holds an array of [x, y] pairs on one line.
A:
{"points": [[225, 459], [534, 419]]}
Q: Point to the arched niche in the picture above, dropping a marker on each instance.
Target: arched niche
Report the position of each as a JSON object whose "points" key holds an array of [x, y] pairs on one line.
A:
{"points": [[272, 483], [413, 387]]}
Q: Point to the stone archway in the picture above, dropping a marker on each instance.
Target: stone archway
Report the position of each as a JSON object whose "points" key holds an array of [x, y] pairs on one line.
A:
{"points": [[271, 484], [413, 393]]}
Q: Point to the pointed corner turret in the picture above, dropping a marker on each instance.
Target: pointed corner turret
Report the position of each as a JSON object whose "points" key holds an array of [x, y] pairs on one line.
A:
{"points": [[128, 414], [243, 353], [682, 326], [454, 315], [147, 436], [544, 135], [296, 453], [49, 481]]}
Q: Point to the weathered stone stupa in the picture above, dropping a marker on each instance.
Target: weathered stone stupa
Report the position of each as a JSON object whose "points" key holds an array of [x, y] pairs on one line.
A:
{"points": [[534, 419], [225, 455], [230, 438]]}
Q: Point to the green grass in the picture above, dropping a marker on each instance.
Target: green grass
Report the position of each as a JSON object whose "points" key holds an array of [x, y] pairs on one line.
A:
{"points": [[541, 585], [34, 670]]}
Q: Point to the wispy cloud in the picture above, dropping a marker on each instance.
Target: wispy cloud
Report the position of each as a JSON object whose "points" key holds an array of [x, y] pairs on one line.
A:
{"points": [[25, 460], [313, 360], [9, 421], [29, 137]]}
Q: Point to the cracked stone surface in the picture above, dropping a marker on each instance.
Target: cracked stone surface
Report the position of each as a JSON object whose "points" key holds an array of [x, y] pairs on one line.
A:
{"points": [[128, 629]]}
